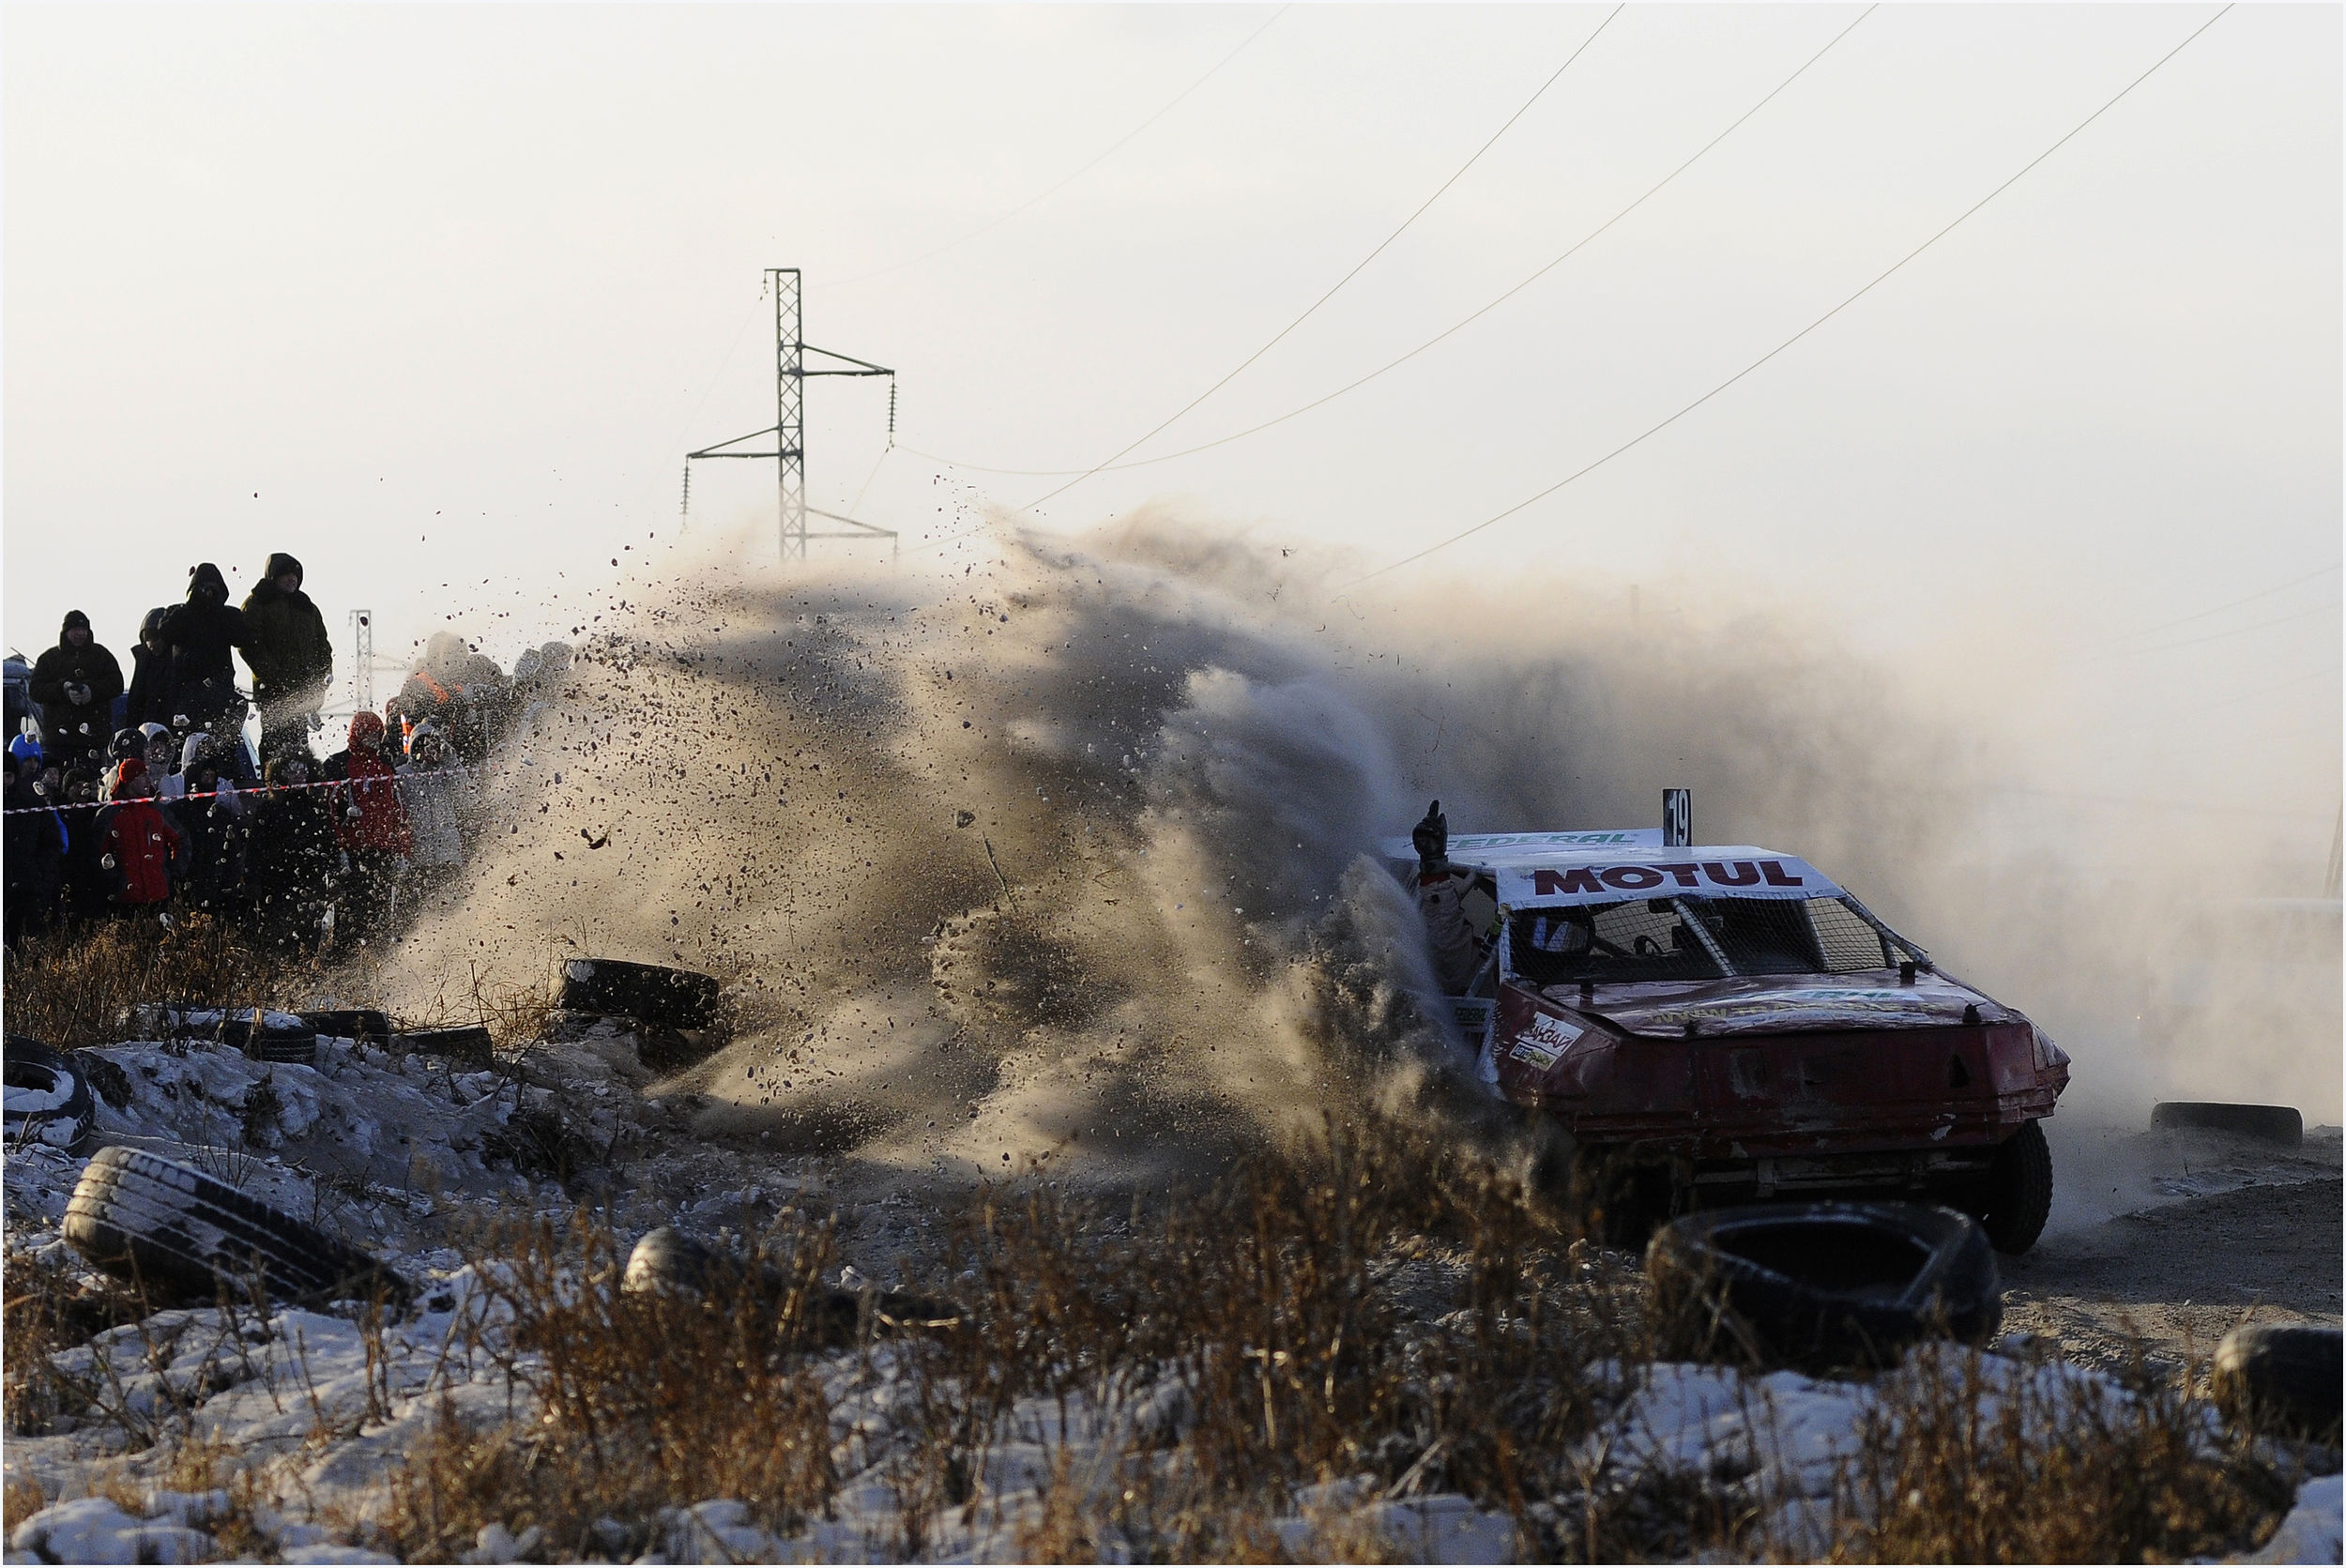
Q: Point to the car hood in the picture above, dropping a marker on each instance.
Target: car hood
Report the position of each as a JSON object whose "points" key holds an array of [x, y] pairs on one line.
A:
{"points": [[1784, 1004]]}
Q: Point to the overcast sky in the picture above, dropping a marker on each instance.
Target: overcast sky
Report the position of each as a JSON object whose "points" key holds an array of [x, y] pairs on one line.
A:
{"points": [[440, 294]]}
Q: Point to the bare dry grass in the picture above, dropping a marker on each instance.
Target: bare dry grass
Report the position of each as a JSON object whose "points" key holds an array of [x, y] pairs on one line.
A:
{"points": [[71, 988], [1962, 1463], [641, 1401], [48, 1310], [1371, 1317]]}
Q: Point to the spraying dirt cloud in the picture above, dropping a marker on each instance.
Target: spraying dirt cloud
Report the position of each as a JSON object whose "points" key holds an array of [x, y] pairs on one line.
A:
{"points": [[1062, 859]]}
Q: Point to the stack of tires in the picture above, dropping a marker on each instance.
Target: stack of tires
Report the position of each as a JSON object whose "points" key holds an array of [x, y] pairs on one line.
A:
{"points": [[262, 1035], [278, 1037]]}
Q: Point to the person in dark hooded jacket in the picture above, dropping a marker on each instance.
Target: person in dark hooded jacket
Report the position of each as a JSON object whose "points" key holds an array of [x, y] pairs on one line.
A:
{"points": [[37, 837], [75, 683], [150, 672], [211, 814], [201, 633], [290, 854], [291, 657]]}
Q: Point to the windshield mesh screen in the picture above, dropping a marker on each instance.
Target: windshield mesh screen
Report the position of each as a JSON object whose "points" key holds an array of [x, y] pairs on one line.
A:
{"points": [[1688, 939]]}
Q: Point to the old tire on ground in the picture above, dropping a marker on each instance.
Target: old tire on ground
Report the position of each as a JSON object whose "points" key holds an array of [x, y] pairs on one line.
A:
{"points": [[280, 1036], [48, 1098], [2018, 1191], [2280, 1124], [2282, 1379], [351, 1022], [678, 998], [468, 1043], [276, 1043], [141, 1217], [668, 1262], [1822, 1284]]}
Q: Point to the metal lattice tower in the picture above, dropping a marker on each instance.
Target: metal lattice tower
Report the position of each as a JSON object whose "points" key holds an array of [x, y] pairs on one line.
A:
{"points": [[790, 405], [789, 427], [362, 658]]}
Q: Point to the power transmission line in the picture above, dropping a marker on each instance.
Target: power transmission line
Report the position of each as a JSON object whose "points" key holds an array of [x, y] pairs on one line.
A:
{"points": [[1883, 277], [1171, 104], [2167, 721], [1347, 276], [2233, 603], [1446, 332], [2194, 642]]}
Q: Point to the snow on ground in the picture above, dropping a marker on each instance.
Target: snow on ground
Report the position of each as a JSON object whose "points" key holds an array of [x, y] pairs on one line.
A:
{"points": [[302, 1390], [316, 1408]]}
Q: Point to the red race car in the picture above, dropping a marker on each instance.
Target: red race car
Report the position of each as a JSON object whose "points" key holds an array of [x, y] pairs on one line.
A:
{"points": [[1712, 1024]]}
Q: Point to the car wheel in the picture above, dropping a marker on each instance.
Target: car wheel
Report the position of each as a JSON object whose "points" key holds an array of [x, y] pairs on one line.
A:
{"points": [[143, 1218], [2019, 1193], [47, 1095], [1621, 1201]]}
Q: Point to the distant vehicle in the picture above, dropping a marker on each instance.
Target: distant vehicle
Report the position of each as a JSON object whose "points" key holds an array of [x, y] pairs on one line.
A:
{"points": [[1721, 1024]]}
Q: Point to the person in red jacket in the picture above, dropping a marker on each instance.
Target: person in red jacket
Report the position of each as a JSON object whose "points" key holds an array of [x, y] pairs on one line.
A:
{"points": [[371, 824], [138, 844]]}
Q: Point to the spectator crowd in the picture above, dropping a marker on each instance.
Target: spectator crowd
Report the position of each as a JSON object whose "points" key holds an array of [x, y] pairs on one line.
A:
{"points": [[138, 798]]}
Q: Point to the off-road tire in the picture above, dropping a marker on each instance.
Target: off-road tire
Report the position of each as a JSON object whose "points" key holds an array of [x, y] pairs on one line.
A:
{"points": [[141, 1217], [31, 1065], [2018, 1191], [1621, 1202]]}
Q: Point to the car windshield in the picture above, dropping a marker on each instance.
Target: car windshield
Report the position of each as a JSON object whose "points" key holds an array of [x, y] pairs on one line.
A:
{"points": [[1698, 939]]}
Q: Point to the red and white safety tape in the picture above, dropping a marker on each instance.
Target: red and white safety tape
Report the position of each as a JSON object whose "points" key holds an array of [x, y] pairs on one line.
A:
{"points": [[217, 794]]}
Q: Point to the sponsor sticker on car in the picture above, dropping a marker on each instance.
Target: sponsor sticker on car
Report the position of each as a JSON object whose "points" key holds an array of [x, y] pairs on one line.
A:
{"points": [[1708, 874], [1544, 1040]]}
